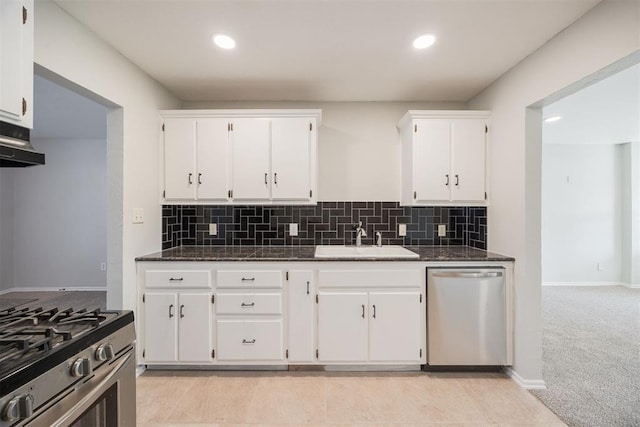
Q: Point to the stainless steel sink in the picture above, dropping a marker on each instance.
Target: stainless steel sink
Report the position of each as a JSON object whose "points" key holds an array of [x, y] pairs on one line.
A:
{"points": [[390, 251]]}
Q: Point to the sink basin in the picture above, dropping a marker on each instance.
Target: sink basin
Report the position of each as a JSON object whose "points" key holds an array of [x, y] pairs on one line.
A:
{"points": [[391, 251]]}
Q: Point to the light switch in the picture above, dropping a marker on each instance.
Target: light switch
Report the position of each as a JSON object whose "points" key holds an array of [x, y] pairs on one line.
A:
{"points": [[138, 215], [442, 230], [402, 230], [293, 229], [213, 229]]}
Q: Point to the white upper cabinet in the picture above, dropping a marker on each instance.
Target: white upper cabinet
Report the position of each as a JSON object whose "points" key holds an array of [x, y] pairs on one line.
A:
{"points": [[291, 160], [16, 62], [444, 157], [241, 156], [195, 158], [212, 147], [251, 164]]}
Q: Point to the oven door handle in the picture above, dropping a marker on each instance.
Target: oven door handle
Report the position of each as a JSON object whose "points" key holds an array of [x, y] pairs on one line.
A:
{"points": [[72, 414]]}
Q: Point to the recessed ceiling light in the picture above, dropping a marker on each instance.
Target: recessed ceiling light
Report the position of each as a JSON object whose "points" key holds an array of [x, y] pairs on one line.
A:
{"points": [[223, 41], [552, 119], [424, 41]]}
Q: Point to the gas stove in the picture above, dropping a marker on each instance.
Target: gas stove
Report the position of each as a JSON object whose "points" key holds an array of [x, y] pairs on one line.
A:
{"points": [[52, 360]]}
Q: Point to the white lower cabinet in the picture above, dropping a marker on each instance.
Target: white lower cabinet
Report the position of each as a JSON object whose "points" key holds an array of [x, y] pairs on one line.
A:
{"points": [[301, 316], [250, 320], [342, 326], [394, 326], [369, 326], [250, 340], [177, 327], [271, 313]]}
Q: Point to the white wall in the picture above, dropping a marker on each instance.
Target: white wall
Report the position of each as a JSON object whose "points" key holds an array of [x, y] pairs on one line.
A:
{"points": [[60, 216], [607, 33], [358, 145], [65, 48], [631, 214], [581, 213], [6, 228]]}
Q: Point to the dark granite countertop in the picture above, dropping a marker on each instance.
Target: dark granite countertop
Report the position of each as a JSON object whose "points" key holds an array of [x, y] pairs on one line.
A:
{"points": [[306, 253]]}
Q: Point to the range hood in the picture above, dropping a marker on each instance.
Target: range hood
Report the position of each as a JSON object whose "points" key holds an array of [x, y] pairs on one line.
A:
{"points": [[15, 148]]}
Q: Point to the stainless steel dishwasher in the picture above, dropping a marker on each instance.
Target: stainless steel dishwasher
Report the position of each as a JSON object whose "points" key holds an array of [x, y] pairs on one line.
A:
{"points": [[466, 317]]}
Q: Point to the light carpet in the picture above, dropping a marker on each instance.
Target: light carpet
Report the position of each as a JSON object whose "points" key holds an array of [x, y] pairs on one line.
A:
{"points": [[591, 355]]}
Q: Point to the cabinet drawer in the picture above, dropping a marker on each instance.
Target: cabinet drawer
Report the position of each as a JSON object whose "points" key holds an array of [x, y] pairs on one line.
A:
{"points": [[178, 278], [369, 278], [246, 279], [249, 303], [249, 340]]}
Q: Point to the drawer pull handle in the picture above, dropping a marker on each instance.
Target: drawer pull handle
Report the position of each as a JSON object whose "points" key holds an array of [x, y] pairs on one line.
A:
{"points": [[170, 311], [374, 311], [251, 279], [182, 311], [179, 279], [253, 341], [307, 288], [363, 311], [248, 305]]}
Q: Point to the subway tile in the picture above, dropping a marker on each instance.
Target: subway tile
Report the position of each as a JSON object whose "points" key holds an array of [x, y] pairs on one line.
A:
{"points": [[325, 223]]}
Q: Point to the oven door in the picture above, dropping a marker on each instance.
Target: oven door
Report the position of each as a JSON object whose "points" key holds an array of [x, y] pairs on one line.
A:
{"points": [[106, 399]]}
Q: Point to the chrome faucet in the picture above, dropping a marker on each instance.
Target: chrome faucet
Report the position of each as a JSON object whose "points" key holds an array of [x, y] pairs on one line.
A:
{"points": [[378, 239], [360, 233]]}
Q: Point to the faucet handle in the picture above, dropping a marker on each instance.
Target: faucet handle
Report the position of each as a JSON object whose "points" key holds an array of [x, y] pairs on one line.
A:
{"points": [[378, 238]]}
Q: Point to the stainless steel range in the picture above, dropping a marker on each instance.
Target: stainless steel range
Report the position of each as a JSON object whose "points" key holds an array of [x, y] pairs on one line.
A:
{"points": [[67, 368]]}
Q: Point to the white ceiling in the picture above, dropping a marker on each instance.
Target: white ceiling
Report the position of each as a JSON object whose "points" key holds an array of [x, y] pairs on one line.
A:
{"points": [[607, 112], [326, 50]]}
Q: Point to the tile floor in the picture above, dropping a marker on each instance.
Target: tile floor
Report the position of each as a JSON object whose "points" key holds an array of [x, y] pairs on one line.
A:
{"points": [[179, 398]]}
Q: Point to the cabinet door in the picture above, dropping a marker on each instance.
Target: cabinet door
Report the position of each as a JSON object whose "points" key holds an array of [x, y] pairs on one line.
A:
{"points": [[257, 340], [342, 326], [291, 158], [212, 169], [251, 160], [301, 304], [194, 320], [468, 138], [16, 62], [394, 326], [160, 327], [431, 160], [179, 158]]}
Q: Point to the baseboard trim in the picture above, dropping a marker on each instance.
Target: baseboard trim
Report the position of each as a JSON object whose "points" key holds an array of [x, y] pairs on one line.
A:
{"points": [[527, 384], [631, 286], [140, 370], [584, 284], [54, 289]]}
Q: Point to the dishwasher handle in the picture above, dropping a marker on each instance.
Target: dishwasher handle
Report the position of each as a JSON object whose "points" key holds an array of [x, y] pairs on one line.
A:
{"points": [[468, 275]]}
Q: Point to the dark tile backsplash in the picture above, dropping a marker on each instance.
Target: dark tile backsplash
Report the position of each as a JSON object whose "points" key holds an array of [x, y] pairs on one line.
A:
{"points": [[327, 223]]}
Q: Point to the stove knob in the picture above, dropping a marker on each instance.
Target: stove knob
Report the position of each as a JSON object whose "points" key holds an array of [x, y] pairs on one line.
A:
{"points": [[81, 367], [104, 352], [18, 408]]}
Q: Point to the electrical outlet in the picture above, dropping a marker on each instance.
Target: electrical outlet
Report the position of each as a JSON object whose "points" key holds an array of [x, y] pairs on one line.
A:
{"points": [[402, 230], [138, 215], [103, 266], [293, 229], [213, 229], [442, 230], [600, 266]]}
